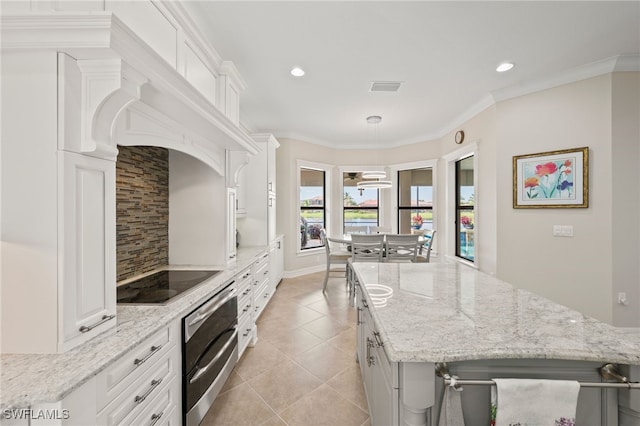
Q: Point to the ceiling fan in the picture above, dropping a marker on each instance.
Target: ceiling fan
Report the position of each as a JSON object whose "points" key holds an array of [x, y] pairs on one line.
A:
{"points": [[351, 176]]}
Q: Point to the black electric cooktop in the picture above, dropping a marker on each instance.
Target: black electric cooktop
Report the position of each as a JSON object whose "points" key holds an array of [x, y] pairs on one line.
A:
{"points": [[161, 286]]}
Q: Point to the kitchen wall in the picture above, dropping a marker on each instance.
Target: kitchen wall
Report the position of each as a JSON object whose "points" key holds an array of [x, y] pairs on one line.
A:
{"points": [[573, 271], [626, 196], [585, 272], [142, 210]]}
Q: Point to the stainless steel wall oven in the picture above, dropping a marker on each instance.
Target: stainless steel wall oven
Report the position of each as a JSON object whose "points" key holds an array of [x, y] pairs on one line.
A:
{"points": [[209, 352]]}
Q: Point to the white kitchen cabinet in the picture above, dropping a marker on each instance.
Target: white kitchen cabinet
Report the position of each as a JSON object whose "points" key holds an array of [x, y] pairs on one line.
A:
{"points": [[245, 286], [144, 383], [257, 184], [58, 215], [276, 259], [87, 240], [378, 374], [261, 289], [142, 387]]}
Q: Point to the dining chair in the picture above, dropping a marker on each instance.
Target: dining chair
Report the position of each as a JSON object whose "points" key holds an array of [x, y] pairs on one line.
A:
{"points": [[424, 251], [367, 248], [337, 254], [401, 247], [355, 229], [379, 229]]}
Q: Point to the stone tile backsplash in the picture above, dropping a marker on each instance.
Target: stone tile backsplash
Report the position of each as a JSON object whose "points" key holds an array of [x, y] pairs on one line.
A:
{"points": [[142, 210]]}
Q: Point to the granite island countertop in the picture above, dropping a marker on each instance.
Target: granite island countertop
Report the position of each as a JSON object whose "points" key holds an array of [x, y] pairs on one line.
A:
{"points": [[28, 379], [448, 312]]}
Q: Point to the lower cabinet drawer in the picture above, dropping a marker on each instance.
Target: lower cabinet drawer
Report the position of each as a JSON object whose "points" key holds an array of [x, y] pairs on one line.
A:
{"points": [[136, 398], [245, 334], [163, 409], [127, 369], [261, 299], [244, 307]]}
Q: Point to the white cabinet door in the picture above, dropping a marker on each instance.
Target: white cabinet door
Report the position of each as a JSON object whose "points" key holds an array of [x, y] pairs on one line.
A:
{"points": [[87, 238], [377, 374], [272, 145], [258, 187], [276, 258], [231, 224]]}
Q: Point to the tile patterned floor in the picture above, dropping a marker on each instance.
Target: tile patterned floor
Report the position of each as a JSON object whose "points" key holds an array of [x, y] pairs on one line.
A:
{"points": [[302, 371]]}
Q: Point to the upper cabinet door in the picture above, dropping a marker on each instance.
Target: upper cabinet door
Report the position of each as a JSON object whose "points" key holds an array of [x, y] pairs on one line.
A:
{"points": [[87, 247]]}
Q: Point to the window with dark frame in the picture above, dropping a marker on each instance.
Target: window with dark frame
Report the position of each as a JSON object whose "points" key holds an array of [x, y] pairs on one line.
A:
{"points": [[312, 207], [415, 200], [465, 209], [360, 206]]}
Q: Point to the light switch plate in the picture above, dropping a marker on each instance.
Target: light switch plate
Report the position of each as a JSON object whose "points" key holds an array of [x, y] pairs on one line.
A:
{"points": [[562, 230]]}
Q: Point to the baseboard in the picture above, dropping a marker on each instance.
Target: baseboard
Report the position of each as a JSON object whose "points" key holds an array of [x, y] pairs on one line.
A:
{"points": [[304, 271]]}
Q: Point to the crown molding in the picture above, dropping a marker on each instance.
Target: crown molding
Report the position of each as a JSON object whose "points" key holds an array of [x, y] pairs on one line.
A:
{"points": [[229, 69], [594, 69], [194, 37], [627, 63], [102, 35]]}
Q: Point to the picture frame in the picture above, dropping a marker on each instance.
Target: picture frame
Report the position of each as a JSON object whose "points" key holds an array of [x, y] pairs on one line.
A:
{"points": [[551, 180]]}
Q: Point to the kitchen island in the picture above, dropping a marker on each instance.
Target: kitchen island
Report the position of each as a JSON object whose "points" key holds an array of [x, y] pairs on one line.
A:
{"points": [[411, 316]]}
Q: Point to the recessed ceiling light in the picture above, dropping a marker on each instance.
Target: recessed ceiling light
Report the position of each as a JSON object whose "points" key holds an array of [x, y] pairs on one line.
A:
{"points": [[505, 66], [297, 72]]}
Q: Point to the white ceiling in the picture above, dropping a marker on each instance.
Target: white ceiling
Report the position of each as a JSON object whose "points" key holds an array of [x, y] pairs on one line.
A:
{"points": [[445, 53]]}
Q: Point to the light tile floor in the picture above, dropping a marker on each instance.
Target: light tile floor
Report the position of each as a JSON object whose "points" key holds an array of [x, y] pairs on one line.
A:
{"points": [[303, 370]]}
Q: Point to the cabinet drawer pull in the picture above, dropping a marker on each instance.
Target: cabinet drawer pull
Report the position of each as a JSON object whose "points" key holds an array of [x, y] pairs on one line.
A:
{"points": [[370, 359], [155, 418], [246, 308], [376, 336], [154, 384], [139, 361], [232, 256], [247, 333], [364, 303], [246, 275], [358, 321], [247, 291], [266, 272], [104, 319], [266, 295]]}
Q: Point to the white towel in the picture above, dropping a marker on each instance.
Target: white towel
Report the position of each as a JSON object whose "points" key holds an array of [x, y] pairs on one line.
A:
{"points": [[530, 402], [451, 409]]}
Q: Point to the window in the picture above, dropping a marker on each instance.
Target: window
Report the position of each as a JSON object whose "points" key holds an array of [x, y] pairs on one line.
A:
{"points": [[360, 206], [465, 209], [312, 207], [415, 199]]}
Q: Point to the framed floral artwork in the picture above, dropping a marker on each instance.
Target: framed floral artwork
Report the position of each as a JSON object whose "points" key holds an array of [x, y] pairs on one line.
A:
{"points": [[551, 180]]}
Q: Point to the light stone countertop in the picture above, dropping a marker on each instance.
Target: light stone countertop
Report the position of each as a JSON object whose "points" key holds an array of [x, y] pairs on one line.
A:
{"points": [[28, 379], [447, 312]]}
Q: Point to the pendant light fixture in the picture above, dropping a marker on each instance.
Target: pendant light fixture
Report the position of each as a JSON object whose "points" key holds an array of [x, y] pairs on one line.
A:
{"points": [[374, 174]]}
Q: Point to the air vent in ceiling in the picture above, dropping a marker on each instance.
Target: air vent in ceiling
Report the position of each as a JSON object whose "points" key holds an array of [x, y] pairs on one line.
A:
{"points": [[385, 86]]}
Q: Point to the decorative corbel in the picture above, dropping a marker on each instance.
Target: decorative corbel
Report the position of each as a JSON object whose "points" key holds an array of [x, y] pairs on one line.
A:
{"points": [[108, 87]]}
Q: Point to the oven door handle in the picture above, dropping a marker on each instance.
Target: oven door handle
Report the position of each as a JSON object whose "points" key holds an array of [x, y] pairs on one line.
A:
{"points": [[204, 315], [203, 370]]}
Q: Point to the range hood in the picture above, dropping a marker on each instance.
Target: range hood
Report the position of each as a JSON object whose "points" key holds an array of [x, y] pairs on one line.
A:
{"points": [[129, 94]]}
